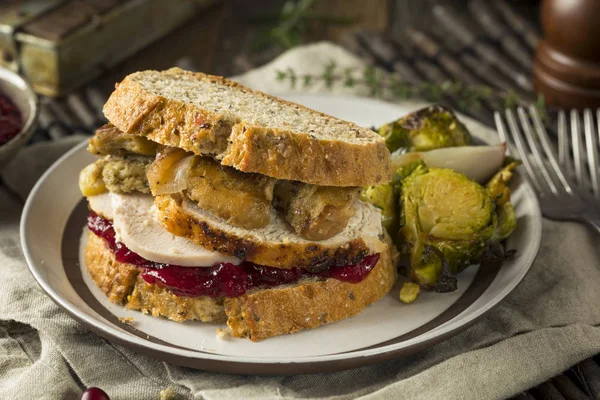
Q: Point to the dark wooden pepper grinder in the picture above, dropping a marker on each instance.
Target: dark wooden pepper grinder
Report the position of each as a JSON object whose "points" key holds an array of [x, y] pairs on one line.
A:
{"points": [[567, 61]]}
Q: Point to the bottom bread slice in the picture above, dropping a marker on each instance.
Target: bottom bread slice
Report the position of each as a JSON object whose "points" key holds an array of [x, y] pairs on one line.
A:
{"points": [[257, 315], [123, 284]]}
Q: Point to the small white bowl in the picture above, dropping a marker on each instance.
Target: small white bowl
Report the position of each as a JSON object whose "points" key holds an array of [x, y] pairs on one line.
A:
{"points": [[20, 92]]}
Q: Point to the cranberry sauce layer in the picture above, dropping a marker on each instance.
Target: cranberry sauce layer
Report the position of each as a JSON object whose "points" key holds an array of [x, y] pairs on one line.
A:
{"points": [[222, 279], [11, 121]]}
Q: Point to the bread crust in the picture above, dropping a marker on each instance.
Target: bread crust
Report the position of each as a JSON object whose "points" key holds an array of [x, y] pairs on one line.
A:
{"points": [[256, 315], [116, 280], [310, 255], [290, 155], [123, 284], [165, 121], [301, 157], [310, 304]]}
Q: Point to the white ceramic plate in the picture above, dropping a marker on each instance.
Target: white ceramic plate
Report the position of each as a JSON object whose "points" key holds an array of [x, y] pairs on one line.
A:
{"points": [[51, 233]]}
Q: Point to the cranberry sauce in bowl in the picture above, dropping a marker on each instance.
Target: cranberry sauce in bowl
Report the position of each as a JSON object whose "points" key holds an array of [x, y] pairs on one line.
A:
{"points": [[11, 121], [18, 114], [222, 279]]}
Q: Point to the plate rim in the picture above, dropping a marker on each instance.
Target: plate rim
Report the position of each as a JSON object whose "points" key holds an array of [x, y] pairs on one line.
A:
{"points": [[324, 363]]}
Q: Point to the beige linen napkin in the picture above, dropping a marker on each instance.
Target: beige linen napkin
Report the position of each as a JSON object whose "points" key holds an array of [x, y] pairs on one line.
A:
{"points": [[549, 323]]}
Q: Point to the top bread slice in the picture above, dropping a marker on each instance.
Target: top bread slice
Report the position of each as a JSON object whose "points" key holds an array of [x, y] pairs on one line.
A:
{"points": [[245, 129]]}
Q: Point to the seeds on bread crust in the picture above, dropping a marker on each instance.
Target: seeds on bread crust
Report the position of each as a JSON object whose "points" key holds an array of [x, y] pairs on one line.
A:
{"points": [[289, 155], [266, 313]]}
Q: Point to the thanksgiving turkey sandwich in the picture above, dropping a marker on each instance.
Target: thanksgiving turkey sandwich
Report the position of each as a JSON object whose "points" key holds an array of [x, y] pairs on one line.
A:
{"points": [[213, 202]]}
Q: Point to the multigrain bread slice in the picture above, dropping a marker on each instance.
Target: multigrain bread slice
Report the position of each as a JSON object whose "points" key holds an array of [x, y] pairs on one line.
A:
{"points": [[312, 303], [257, 315], [122, 284], [276, 245], [248, 130]]}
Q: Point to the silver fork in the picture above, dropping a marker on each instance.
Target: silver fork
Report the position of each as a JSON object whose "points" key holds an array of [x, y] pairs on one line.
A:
{"points": [[582, 163], [560, 198]]}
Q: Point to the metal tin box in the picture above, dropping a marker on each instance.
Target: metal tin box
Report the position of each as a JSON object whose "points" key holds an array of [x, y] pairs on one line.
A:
{"points": [[61, 44]]}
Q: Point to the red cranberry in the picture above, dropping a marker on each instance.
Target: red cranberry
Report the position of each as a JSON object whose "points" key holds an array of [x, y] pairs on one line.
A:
{"points": [[103, 228], [261, 275], [124, 255], [10, 119], [354, 273], [221, 280], [94, 393]]}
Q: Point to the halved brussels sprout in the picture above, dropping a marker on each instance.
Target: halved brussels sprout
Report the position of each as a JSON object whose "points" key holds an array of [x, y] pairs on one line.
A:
{"points": [[430, 128], [448, 222]]}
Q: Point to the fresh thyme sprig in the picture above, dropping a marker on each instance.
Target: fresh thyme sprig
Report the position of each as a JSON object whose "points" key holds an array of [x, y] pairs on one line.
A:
{"points": [[388, 85]]}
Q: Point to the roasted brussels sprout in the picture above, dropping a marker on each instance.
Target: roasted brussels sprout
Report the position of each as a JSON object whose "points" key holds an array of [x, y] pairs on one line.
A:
{"points": [[507, 221], [430, 128], [384, 198], [499, 192], [448, 222], [496, 186]]}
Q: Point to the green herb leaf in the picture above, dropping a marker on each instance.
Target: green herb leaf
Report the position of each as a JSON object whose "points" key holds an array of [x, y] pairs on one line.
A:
{"points": [[382, 84]]}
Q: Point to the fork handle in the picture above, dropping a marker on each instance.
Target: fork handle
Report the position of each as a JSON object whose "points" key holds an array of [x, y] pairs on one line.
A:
{"points": [[594, 222]]}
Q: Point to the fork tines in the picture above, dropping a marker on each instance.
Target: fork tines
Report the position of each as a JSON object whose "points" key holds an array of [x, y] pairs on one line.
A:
{"points": [[580, 155], [560, 197], [533, 147]]}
